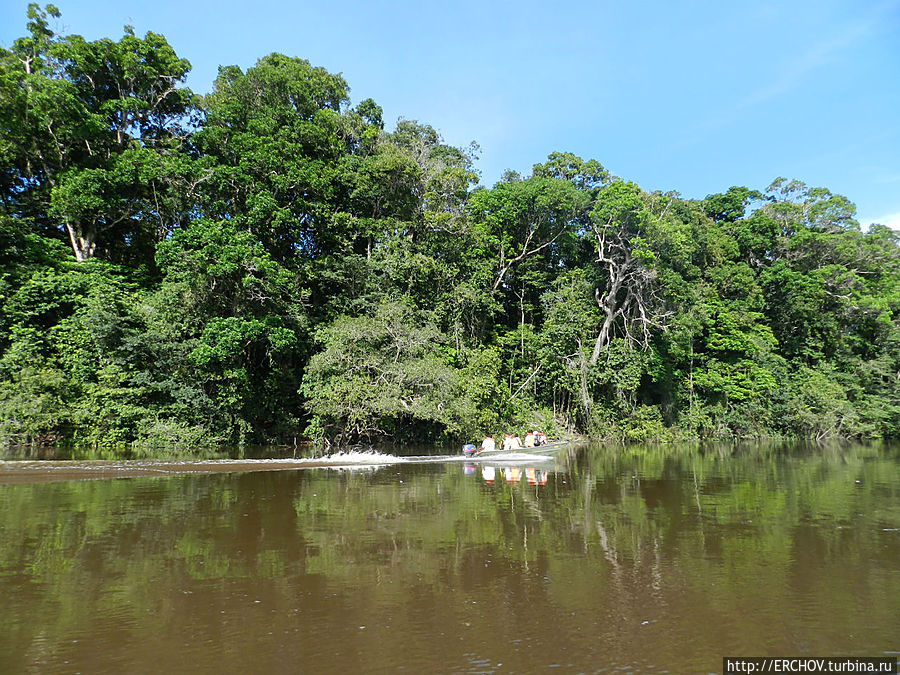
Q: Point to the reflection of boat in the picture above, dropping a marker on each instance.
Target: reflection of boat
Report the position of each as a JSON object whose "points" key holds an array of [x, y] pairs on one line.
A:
{"points": [[470, 450], [512, 474]]}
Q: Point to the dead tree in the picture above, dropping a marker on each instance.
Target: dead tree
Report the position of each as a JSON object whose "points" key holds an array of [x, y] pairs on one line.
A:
{"points": [[630, 300]]}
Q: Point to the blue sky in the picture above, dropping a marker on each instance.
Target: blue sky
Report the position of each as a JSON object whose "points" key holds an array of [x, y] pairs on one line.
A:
{"points": [[686, 96]]}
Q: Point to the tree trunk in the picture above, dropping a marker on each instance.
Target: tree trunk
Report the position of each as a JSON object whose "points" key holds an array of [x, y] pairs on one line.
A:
{"points": [[608, 304], [586, 401], [84, 243]]}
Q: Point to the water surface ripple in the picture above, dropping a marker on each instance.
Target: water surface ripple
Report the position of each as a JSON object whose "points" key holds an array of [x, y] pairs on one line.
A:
{"points": [[642, 560]]}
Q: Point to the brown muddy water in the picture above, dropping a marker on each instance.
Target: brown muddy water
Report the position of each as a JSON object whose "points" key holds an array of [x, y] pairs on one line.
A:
{"points": [[643, 560]]}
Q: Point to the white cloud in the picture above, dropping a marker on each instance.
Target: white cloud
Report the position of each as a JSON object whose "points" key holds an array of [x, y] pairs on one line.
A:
{"points": [[892, 220], [794, 71], [815, 56]]}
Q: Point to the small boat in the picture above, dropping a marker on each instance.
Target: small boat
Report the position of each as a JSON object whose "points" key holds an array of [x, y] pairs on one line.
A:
{"points": [[471, 450]]}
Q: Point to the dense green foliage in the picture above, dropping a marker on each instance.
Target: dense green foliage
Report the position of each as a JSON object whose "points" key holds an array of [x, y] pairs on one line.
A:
{"points": [[267, 262]]}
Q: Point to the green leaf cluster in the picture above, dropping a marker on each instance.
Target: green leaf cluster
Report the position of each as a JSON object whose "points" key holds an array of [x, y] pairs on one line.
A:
{"points": [[267, 263]]}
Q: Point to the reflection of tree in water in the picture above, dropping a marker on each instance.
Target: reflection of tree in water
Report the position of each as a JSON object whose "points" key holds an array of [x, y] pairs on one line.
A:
{"points": [[616, 539]]}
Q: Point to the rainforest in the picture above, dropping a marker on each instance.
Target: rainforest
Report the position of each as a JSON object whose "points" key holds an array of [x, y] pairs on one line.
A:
{"points": [[271, 263]]}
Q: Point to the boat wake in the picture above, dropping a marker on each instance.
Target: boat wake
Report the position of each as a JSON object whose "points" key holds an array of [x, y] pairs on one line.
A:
{"points": [[353, 458], [27, 471]]}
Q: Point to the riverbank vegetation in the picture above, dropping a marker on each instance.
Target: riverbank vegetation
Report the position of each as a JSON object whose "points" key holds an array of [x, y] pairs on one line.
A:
{"points": [[269, 262]]}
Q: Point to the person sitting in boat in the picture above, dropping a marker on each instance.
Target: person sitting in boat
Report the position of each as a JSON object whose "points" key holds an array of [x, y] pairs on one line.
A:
{"points": [[540, 438], [470, 450], [488, 444], [515, 443], [529, 439], [507, 442]]}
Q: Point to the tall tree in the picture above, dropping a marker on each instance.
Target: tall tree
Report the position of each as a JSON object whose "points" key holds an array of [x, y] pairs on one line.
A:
{"points": [[272, 139], [96, 129], [622, 223]]}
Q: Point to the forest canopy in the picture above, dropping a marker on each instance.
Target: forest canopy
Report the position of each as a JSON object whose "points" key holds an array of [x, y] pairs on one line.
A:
{"points": [[268, 262]]}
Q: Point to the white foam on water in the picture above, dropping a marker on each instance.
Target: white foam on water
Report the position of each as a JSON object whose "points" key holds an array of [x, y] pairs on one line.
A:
{"points": [[356, 458], [369, 458], [348, 458]]}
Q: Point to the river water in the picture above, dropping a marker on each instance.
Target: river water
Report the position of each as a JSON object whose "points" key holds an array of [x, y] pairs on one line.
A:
{"points": [[638, 560]]}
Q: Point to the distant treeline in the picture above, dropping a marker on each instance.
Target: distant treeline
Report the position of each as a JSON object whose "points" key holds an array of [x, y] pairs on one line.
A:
{"points": [[267, 263]]}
